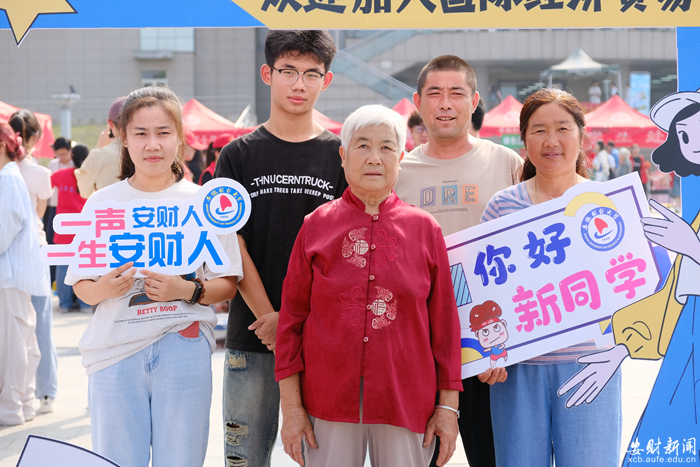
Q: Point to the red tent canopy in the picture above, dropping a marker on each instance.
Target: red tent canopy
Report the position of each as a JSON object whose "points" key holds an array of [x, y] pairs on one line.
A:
{"points": [[404, 108], [502, 119], [43, 147], [616, 121], [207, 124], [327, 123]]}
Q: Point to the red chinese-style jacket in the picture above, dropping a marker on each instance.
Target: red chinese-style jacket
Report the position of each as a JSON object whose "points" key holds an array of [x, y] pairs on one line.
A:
{"points": [[369, 297]]}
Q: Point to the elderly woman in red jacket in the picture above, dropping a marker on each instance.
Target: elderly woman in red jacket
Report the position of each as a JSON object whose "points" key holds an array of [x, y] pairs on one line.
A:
{"points": [[368, 329]]}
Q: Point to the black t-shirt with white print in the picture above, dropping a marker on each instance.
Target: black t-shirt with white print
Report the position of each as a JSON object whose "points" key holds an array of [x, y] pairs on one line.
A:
{"points": [[286, 181]]}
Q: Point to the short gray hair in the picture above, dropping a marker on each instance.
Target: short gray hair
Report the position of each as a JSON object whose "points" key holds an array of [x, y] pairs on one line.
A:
{"points": [[373, 115]]}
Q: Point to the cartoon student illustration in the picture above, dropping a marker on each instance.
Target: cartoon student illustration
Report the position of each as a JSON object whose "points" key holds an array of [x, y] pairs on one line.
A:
{"points": [[665, 324], [485, 320]]}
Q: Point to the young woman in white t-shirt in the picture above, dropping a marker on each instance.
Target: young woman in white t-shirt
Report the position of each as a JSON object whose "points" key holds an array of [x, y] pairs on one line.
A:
{"points": [[150, 374]]}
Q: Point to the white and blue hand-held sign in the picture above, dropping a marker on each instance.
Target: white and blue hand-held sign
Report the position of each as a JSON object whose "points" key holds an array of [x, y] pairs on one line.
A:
{"points": [[170, 236]]}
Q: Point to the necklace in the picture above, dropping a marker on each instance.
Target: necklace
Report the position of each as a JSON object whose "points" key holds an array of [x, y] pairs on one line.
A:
{"points": [[537, 198]]}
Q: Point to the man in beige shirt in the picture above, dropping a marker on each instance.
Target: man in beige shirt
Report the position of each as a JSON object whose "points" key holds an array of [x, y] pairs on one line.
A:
{"points": [[453, 177], [101, 168]]}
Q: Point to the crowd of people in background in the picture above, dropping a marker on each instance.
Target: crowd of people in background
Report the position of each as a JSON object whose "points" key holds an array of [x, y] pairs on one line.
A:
{"points": [[312, 301], [609, 163]]}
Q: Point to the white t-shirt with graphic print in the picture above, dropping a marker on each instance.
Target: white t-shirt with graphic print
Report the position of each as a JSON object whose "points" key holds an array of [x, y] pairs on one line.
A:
{"points": [[126, 325]]}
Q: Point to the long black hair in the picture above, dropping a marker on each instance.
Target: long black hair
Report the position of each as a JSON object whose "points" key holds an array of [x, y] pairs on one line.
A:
{"points": [[668, 156], [78, 154], [26, 124]]}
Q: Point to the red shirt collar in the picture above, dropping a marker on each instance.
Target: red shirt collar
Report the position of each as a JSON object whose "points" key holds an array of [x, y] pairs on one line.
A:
{"points": [[388, 204]]}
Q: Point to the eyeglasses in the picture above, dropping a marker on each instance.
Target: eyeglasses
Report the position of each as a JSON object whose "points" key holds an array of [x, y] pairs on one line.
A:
{"points": [[289, 76], [419, 129]]}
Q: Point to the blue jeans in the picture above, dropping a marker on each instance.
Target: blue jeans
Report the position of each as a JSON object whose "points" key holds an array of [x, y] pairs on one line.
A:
{"points": [[251, 408], [533, 427], [46, 374], [66, 297], [157, 399]]}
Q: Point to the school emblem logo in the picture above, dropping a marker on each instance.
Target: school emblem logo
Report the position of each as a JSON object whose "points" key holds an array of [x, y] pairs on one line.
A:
{"points": [[602, 229], [224, 206]]}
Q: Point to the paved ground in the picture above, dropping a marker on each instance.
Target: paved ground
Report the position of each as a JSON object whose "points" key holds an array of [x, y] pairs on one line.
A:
{"points": [[71, 421]]}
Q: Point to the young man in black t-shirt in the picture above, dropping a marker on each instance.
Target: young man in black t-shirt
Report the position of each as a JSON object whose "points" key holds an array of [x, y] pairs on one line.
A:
{"points": [[290, 165]]}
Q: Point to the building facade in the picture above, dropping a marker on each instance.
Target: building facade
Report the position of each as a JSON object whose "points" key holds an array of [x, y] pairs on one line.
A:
{"points": [[220, 67]]}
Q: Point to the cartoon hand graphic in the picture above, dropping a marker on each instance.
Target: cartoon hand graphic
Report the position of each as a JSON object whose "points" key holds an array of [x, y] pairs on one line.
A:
{"points": [[601, 366], [671, 232]]}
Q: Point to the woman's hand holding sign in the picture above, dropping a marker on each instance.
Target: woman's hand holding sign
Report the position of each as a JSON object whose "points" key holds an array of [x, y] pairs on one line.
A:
{"points": [[112, 285], [165, 288], [493, 375]]}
